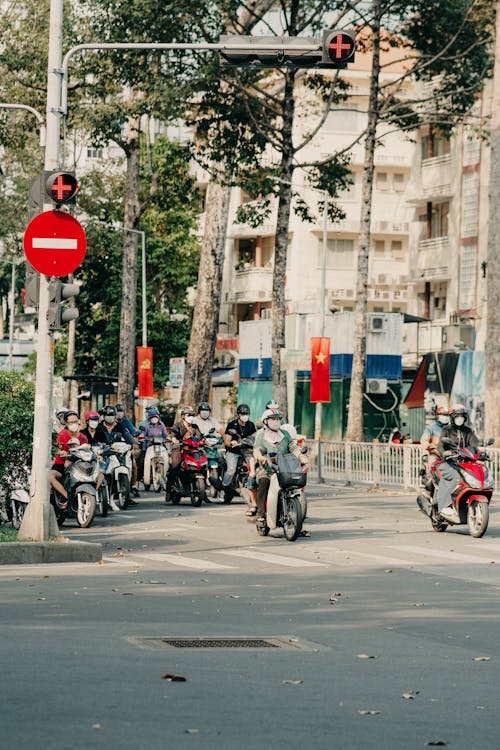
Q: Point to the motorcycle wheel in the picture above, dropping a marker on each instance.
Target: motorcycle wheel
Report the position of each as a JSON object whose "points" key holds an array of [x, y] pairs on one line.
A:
{"points": [[292, 518], [102, 502], [478, 516], [439, 525], [211, 491], [199, 493], [17, 513], [123, 491], [174, 499], [303, 505], [86, 509], [157, 474]]}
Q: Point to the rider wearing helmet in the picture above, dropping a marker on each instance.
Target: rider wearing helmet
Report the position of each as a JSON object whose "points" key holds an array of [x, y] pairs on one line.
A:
{"points": [[204, 420], [92, 421], [273, 439], [235, 431], [183, 427], [430, 436], [110, 430], [71, 430], [457, 435]]}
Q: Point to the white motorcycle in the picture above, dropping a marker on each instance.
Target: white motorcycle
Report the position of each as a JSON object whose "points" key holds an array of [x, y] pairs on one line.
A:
{"points": [[156, 465], [117, 470]]}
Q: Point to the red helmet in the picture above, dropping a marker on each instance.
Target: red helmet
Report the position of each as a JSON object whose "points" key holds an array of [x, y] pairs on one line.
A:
{"points": [[91, 415], [441, 411]]}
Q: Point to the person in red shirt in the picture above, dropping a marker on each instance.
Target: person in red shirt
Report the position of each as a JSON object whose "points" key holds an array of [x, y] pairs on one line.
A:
{"points": [[71, 430]]}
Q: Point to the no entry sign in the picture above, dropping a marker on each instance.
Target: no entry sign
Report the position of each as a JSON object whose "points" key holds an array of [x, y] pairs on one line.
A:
{"points": [[55, 243]]}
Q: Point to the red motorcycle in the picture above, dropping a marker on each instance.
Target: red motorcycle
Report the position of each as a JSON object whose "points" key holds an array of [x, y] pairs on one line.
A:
{"points": [[190, 479], [470, 498]]}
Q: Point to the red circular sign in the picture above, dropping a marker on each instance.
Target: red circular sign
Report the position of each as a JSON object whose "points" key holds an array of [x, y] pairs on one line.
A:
{"points": [[55, 243]]}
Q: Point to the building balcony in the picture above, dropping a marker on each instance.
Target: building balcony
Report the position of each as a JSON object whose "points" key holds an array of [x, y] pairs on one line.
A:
{"points": [[252, 285], [433, 259], [437, 178]]}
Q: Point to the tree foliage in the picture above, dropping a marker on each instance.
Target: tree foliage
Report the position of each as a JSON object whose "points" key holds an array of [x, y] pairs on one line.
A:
{"points": [[17, 396]]}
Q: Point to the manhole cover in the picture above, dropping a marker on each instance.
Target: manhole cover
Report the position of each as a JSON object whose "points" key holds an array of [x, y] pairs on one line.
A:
{"points": [[282, 642]]}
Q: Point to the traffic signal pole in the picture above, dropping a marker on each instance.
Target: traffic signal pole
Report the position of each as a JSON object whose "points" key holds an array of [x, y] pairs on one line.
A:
{"points": [[39, 522]]}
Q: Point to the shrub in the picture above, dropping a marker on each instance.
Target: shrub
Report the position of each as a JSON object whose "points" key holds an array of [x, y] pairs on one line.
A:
{"points": [[17, 397]]}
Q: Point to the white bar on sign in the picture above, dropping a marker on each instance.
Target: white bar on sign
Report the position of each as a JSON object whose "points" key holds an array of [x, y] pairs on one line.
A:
{"points": [[53, 243]]}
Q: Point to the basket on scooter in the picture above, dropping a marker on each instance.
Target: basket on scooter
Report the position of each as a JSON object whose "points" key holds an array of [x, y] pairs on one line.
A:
{"points": [[290, 472]]}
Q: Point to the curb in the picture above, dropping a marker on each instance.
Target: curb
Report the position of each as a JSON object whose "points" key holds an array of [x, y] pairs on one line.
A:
{"points": [[34, 553]]}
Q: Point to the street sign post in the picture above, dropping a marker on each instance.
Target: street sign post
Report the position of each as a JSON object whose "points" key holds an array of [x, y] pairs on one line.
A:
{"points": [[55, 243]]}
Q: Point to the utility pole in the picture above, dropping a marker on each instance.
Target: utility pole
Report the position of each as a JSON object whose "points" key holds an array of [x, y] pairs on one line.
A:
{"points": [[39, 522]]}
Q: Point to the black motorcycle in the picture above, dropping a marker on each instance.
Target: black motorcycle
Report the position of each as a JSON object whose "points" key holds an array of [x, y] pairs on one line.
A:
{"points": [[80, 484]]}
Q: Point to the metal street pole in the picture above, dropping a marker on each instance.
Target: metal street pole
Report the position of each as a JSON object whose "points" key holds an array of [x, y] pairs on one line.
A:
{"points": [[318, 416], [11, 312], [41, 121], [39, 522]]}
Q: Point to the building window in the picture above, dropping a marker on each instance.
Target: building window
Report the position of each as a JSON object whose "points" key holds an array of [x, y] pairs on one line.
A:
{"points": [[94, 153], [382, 181], [466, 295], [433, 145], [343, 119], [397, 249], [339, 253], [470, 200], [379, 247], [398, 182]]}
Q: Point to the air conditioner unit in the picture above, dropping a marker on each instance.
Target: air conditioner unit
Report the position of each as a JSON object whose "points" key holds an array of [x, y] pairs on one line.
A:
{"points": [[377, 324], [376, 386]]}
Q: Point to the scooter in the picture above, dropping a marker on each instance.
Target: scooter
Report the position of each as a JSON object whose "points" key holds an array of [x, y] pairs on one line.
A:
{"points": [[283, 505], [103, 499], [245, 449], [470, 498], [80, 484], [215, 451], [190, 479], [13, 504], [156, 464], [117, 471]]}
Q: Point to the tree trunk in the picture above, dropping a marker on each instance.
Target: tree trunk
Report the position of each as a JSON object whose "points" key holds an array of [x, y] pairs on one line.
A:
{"points": [[492, 391], [278, 307], [201, 350], [355, 425], [126, 357]]}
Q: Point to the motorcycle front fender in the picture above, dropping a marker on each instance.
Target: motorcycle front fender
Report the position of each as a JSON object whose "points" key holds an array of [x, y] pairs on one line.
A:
{"points": [[89, 489], [478, 499]]}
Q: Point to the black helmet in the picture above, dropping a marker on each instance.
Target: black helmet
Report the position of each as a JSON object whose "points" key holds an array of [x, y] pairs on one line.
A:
{"points": [[109, 411], [70, 413], [119, 407], [243, 409], [204, 406]]}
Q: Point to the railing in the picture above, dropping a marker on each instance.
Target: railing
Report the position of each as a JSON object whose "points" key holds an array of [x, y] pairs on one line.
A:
{"points": [[377, 464]]}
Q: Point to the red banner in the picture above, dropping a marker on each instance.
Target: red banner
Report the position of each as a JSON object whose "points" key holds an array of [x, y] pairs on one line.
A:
{"points": [[320, 370], [145, 371]]}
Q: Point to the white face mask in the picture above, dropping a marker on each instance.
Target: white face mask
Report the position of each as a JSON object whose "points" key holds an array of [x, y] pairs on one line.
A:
{"points": [[189, 419], [120, 414], [459, 421], [109, 420], [153, 420], [73, 427], [244, 417], [443, 419], [273, 424], [204, 414], [93, 423]]}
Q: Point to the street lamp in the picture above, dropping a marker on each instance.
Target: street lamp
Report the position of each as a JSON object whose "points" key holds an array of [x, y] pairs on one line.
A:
{"points": [[27, 108]]}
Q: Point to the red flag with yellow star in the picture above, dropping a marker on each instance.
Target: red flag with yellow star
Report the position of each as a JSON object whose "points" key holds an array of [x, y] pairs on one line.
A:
{"points": [[145, 371], [320, 370]]}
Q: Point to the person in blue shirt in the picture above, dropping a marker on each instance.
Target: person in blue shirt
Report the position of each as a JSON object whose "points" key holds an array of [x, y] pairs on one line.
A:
{"points": [[430, 436]]}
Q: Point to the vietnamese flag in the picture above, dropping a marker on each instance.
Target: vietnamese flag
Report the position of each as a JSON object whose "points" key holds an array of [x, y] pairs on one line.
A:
{"points": [[145, 371], [320, 370]]}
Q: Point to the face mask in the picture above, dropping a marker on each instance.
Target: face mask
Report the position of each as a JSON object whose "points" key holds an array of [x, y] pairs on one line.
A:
{"points": [[459, 421], [189, 419], [73, 427], [153, 420], [244, 417], [109, 420], [444, 419], [120, 414], [204, 414], [273, 424], [93, 423]]}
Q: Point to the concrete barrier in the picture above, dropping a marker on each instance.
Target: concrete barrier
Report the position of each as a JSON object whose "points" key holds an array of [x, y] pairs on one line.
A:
{"points": [[36, 553]]}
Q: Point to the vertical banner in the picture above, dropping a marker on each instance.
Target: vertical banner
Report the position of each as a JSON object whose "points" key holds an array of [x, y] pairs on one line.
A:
{"points": [[320, 370], [145, 371]]}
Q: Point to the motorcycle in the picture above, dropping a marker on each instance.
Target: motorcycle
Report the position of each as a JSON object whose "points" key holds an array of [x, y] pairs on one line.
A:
{"points": [[189, 480], [117, 470], [103, 499], [215, 451], [14, 501], [244, 448], [470, 498], [80, 484], [155, 465], [283, 502]]}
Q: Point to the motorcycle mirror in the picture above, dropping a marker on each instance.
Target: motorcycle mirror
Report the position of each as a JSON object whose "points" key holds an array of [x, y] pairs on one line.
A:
{"points": [[490, 441], [303, 449]]}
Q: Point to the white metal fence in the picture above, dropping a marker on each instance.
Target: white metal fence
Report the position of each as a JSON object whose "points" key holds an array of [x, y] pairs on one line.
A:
{"points": [[377, 464]]}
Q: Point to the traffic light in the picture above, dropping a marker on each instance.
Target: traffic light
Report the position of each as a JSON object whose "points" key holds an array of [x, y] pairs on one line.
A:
{"points": [[31, 288], [334, 50], [338, 48], [60, 187], [57, 313], [36, 196]]}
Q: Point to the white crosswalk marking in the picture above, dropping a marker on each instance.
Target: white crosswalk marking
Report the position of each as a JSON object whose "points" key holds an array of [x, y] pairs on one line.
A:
{"points": [[442, 554], [290, 562], [182, 561]]}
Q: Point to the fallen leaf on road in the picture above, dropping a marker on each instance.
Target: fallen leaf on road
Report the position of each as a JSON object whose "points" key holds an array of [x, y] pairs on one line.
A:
{"points": [[96, 726], [233, 596], [437, 743], [389, 570], [419, 604], [292, 682], [482, 658], [365, 656], [410, 695], [369, 711], [173, 678], [192, 731]]}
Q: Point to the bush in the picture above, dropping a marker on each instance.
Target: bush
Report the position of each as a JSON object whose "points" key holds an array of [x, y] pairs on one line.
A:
{"points": [[17, 400]]}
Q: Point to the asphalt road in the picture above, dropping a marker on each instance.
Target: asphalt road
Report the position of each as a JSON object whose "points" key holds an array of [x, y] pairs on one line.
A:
{"points": [[389, 633]]}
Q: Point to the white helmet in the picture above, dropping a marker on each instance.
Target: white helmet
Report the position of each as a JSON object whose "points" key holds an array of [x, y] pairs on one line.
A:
{"points": [[270, 414]]}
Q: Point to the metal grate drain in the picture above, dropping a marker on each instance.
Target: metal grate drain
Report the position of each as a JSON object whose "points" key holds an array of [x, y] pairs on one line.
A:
{"points": [[282, 642]]}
